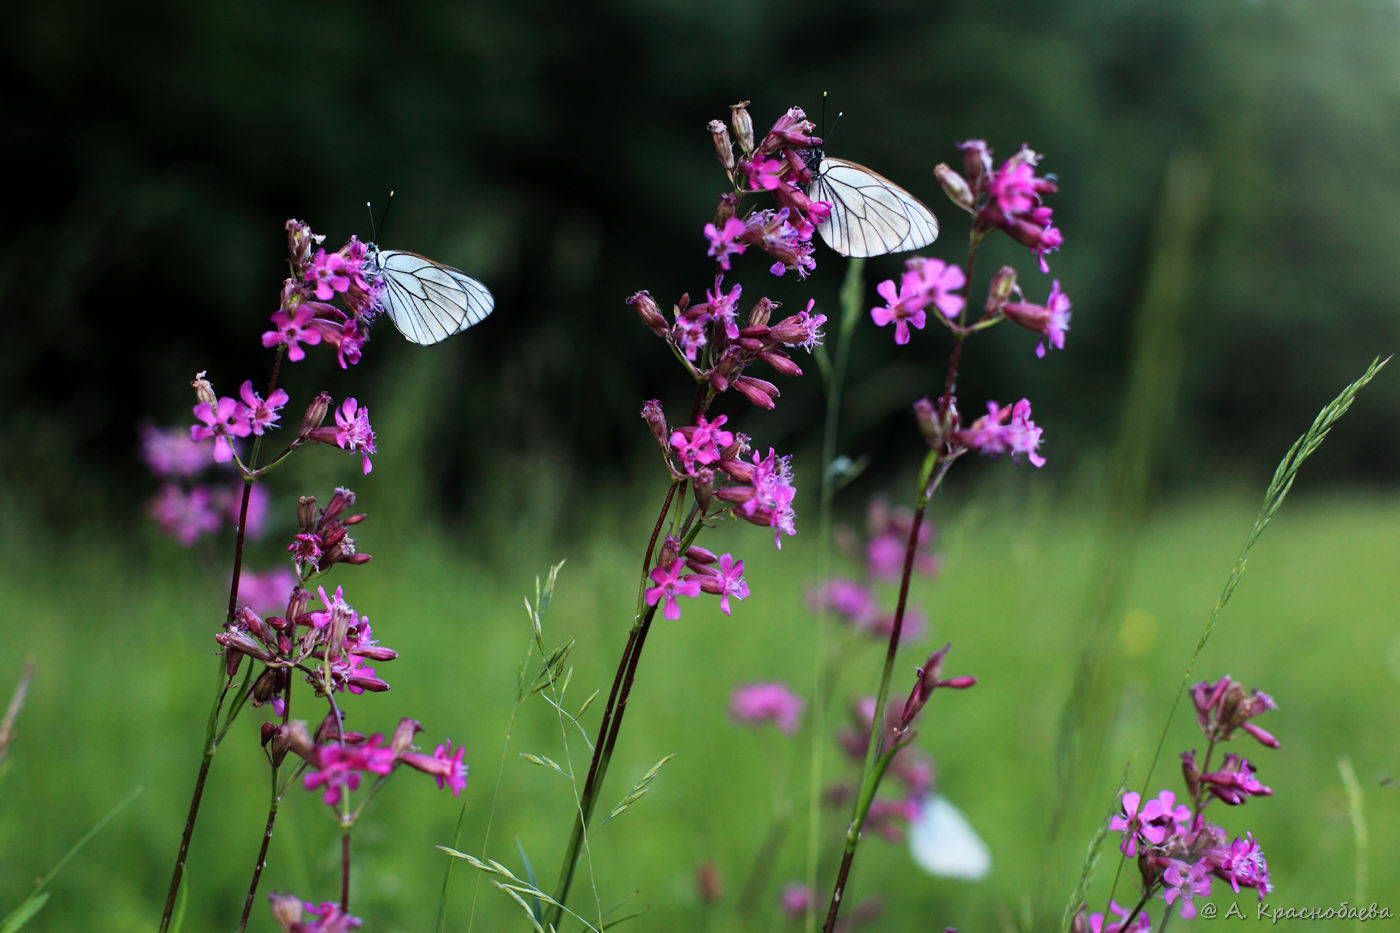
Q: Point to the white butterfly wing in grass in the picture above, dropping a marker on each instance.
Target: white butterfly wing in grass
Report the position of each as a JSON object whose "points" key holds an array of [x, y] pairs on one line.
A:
{"points": [[870, 215], [427, 301], [943, 842]]}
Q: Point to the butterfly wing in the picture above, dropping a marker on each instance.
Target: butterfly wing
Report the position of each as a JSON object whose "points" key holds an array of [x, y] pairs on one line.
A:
{"points": [[943, 842], [427, 301], [870, 215]]}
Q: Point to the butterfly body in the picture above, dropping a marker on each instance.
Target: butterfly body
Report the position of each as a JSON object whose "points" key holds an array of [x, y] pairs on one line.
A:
{"points": [[428, 301], [870, 215]]}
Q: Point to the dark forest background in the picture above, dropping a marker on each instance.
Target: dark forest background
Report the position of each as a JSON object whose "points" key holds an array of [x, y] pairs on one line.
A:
{"points": [[559, 153]]}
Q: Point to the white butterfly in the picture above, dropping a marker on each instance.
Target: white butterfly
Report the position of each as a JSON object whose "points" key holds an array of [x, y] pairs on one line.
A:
{"points": [[870, 215], [427, 301], [943, 842]]}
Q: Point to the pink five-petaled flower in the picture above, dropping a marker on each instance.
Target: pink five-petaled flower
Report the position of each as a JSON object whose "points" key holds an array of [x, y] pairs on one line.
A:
{"points": [[724, 240], [767, 500], [444, 765], [1050, 319], [939, 281], [185, 516], [1143, 923], [1137, 823], [293, 329], [903, 307], [993, 436], [670, 585], [329, 273], [758, 703], [222, 422], [353, 431], [1186, 882], [260, 415], [725, 581], [701, 444], [764, 174], [1242, 864], [337, 768]]}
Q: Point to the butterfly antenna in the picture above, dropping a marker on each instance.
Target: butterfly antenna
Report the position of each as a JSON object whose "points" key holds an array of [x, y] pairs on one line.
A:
{"points": [[374, 228]]}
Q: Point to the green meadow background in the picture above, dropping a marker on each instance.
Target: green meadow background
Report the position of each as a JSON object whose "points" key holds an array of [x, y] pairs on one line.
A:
{"points": [[1230, 188]]}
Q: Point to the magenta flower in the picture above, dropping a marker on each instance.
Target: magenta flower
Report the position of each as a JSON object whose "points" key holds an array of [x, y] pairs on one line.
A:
{"points": [[759, 703], [701, 444], [1242, 864], [938, 281], [993, 436], [724, 306], [1137, 823], [337, 770], [292, 330], [444, 765], [725, 581], [266, 593], [670, 584], [171, 452], [764, 174], [852, 602], [185, 516], [772, 495], [260, 415], [337, 609], [724, 241], [796, 900], [221, 422], [1143, 923], [353, 431], [903, 307], [1186, 882], [1050, 319], [329, 274], [1235, 782]]}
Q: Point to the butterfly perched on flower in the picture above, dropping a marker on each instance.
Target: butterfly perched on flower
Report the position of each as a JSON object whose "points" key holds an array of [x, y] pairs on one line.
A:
{"points": [[428, 301], [870, 215]]}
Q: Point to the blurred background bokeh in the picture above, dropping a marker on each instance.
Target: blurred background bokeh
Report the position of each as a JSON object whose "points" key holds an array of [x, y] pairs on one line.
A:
{"points": [[1230, 200]]}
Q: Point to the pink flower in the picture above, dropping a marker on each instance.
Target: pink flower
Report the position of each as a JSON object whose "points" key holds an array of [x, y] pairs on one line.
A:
{"points": [[443, 764], [329, 274], [266, 593], [353, 431], [993, 436], [670, 584], [903, 307], [260, 415], [221, 422], [293, 329], [938, 281], [764, 174], [1137, 824], [725, 581], [768, 500], [724, 240], [1050, 319], [701, 444], [758, 703], [171, 452], [1242, 864], [797, 900], [724, 306], [1186, 882], [185, 516]]}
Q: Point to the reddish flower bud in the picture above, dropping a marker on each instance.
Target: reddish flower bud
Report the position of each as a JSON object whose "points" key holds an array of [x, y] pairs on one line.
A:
{"points": [[703, 483], [762, 311], [927, 419], [758, 391], [954, 186], [696, 555], [315, 413], [743, 125], [306, 514], [650, 314], [1000, 289], [724, 147], [656, 420], [781, 362]]}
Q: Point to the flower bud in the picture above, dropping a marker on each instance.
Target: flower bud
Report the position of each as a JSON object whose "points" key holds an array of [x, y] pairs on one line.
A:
{"points": [[403, 735], [704, 486], [270, 684], [977, 163], [758, 391], [927, 419], [954, 186], [724, 147], [650, 314], [306, 514], [656, 420], [203, 391], [315, 413], [670, 550], [1002, 286], [762, 311], [781, 362], [743, 125]]}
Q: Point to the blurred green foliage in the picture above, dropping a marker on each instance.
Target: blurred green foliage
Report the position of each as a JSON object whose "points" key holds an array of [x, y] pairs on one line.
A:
{"points": [[126, 662], [558, 151]]}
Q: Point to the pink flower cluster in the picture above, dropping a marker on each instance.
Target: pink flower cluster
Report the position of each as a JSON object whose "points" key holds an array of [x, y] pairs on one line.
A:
{"points": [[1009, 198], [924, 282], [880, 555], [721, 576], [717, 351], [306, 315], [187, 507], [1178, 851], [226, 418], [780, 165], [766, 702]]}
